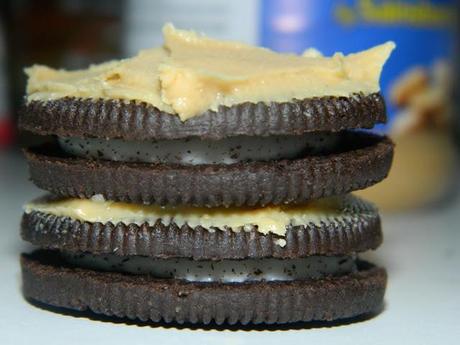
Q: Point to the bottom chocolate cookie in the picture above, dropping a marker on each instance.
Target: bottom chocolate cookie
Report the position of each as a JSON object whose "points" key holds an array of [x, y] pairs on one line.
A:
{"points": [[48, 279]]}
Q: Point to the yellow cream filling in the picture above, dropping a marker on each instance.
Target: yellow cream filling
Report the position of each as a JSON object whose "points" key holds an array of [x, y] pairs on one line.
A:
{"points": [[272, 219], [191, 73]]}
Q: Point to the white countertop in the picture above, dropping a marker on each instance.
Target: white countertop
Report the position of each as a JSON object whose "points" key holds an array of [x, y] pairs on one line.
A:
{"points": [[422, 304]]}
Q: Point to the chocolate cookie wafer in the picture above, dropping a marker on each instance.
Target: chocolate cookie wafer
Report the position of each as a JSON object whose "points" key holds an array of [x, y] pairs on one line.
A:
{"points": [[170, 300], [358, 160], [133, 121], [206, 181]]}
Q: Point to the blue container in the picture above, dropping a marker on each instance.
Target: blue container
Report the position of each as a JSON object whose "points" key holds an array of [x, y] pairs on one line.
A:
{"points": [[424, 30]]}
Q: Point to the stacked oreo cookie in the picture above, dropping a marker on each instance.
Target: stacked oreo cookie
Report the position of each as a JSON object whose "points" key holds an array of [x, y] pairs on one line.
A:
{"points": [[238, 214]]}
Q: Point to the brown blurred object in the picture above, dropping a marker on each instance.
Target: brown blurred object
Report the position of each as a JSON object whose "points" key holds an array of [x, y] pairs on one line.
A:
{"points": [[64, 34], [425, 156], [411, 83], [421, 174]]}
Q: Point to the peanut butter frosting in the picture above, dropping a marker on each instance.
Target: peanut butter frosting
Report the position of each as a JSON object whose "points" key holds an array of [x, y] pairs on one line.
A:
{"points": [[191, 73], [272, 219]]}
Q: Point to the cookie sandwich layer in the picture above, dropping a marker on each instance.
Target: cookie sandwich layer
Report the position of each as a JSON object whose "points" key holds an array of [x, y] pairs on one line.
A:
{"points": [[205, 123], [305, 255], [336, 226]]}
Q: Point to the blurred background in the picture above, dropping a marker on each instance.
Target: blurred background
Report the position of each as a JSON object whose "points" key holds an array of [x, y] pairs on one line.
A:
{"points": [[418, 81]]}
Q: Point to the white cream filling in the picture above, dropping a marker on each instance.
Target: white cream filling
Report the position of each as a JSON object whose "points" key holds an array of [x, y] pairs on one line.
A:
{"points": [[225, 271], [196, 151], [271, 219]]}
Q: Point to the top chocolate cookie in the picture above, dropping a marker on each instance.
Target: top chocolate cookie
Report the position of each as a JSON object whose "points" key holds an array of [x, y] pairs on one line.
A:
{"points": [[195, 86]]}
